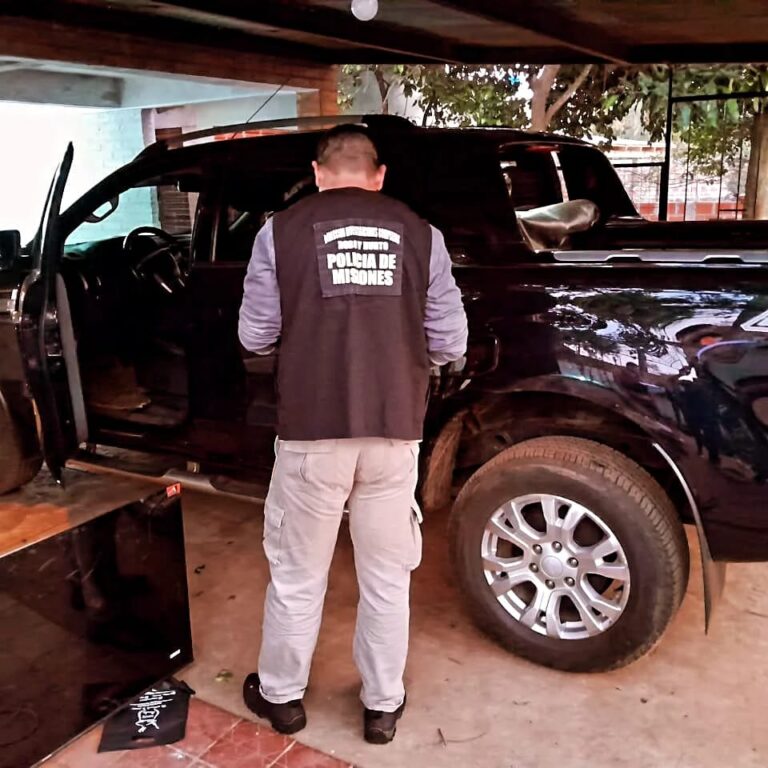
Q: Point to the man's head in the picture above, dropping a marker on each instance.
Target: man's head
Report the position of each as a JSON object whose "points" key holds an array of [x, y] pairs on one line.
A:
{"points": [[347, 157]]}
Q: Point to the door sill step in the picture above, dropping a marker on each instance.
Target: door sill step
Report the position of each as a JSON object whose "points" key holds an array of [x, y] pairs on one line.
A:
{"points": [[188, 480]]}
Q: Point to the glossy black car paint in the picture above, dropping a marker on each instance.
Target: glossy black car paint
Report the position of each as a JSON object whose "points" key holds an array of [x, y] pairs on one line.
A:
{"points": [[664, 360], [90, 618]]}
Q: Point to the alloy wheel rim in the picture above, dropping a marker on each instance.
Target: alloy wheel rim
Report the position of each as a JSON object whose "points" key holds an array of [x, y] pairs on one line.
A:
{"points": [[555, 566]]}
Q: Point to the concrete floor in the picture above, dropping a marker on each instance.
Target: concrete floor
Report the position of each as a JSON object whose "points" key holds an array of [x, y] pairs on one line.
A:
{"points": [[695, 702]]}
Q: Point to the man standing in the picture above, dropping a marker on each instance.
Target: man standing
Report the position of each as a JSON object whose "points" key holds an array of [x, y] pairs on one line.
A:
{"points": [[359, 291]]}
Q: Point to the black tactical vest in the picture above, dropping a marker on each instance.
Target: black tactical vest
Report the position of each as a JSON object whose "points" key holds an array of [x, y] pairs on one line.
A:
{"points": [[353, 272]]}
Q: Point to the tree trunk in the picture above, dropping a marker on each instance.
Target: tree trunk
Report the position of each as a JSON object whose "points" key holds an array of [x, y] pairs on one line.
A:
{"points": [[756, 204], [541, 87], [381, 81]]}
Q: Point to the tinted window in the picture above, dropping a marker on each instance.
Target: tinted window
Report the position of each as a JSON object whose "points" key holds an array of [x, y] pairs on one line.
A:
{"points": [[248, 200], [468, 197], [589, 175], [531, 176]]}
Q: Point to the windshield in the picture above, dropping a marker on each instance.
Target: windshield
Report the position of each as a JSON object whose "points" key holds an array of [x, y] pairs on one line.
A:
{"points": [[163, 206]]}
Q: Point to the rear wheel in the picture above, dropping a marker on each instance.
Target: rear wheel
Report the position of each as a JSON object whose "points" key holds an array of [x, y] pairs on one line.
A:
{"points": [[16, 466], [569, 554]]}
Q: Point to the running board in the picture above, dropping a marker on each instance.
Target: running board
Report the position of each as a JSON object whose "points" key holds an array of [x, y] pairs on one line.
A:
{"points": [[189, 480]]}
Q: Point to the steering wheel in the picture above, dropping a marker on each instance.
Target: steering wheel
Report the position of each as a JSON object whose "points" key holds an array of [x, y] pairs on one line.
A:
{"points": [[166, 264]]}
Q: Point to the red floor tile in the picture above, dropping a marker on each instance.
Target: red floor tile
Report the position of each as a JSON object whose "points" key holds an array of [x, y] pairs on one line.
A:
{"points": [[215, 737], [248, 745], [206, 725]]}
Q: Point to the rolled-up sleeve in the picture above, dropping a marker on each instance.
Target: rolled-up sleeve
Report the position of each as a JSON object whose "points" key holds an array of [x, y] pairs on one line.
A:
{"points": [[260, 313], [445, 321]]}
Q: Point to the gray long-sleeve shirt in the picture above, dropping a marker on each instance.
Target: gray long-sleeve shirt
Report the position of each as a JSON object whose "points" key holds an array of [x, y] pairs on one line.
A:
{"points": [[445, 322]]}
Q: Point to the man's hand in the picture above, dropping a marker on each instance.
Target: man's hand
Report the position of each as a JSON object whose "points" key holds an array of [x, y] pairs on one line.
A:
{"points": [[456, 367]]}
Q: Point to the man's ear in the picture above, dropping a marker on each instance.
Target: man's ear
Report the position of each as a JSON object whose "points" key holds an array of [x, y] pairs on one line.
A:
{"points": [[380, 174], [316, 168]]}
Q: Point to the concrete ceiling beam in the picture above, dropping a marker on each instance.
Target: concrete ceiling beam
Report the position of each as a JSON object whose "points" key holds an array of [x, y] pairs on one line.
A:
{"points": [[41, 87]]}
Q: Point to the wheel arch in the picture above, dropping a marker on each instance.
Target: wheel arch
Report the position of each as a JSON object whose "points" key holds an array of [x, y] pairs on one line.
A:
{"points": [[492, 423], [551, 406]]}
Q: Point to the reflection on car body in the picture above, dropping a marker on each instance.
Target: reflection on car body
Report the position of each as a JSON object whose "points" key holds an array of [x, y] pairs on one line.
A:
{"points": [[587, 322]]}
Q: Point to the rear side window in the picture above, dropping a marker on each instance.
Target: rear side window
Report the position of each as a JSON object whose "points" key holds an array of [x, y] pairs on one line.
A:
{"points": [[543, 174], [589, 175], [532, 176], [468, 197], [406, 178]]}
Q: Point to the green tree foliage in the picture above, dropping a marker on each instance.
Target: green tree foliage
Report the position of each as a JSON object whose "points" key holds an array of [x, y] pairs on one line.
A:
{"points": [[714, 130], [584, 101], [470, 95]]}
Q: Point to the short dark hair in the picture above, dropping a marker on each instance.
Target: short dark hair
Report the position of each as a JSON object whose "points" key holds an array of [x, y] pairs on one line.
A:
{"points": [[348, 146]]}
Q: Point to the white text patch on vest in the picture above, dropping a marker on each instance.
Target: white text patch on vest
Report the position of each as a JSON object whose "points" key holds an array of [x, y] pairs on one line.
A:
{"points": [[362, 277], [362, 257], [356, 230], [361, 260]]}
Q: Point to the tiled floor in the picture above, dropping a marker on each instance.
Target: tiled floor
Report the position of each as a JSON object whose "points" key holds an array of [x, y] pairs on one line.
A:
{"points": [[696, 701], [215, 739]]}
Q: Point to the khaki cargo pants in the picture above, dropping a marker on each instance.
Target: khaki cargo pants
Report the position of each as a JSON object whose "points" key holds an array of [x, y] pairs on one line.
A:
{"points": [[312, 483]]}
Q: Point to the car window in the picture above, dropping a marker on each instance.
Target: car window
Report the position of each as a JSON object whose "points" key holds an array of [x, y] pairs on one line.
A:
{"points": [[532, 176], [467, 195], [164, 206], [248, 201], [238, 227], [589, 175]]}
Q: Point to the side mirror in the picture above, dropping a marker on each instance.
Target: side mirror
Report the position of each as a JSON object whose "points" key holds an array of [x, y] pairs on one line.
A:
{"points": [[10, 248]]}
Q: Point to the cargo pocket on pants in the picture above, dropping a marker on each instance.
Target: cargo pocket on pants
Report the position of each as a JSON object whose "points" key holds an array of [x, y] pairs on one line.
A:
{"points": [[273, 532], [414, 557]]}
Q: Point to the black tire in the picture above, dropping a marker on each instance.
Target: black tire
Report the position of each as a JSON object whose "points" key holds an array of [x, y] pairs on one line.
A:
{"points": [[16, 467], [619, 492]]}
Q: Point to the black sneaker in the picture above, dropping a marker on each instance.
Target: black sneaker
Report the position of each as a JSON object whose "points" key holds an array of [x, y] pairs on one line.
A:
{"points": [[380, 727], [284, 718]]}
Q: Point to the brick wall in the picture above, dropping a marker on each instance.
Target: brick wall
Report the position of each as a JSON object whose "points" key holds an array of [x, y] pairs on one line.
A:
{"points": [[696, 210], [321, 102], [173, 205], [62, 42]]}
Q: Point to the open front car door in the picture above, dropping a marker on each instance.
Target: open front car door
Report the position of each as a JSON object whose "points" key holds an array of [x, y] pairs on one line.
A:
{"points": [[46, 337]]}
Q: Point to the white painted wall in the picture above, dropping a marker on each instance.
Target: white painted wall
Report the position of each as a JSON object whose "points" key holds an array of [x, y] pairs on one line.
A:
{"points": [[108, 140], [33, 139], [32, 142]]}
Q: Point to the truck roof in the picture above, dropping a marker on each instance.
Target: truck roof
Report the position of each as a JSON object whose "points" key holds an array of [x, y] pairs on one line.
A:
{"points": [[229, 139]]}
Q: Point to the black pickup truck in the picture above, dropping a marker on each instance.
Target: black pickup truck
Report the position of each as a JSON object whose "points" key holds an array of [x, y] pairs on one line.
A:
{"points": [[616, 385]]}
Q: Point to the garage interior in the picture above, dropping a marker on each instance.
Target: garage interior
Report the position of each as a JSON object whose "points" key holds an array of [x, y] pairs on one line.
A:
{"points": [[471, 703], [696, 700]]}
